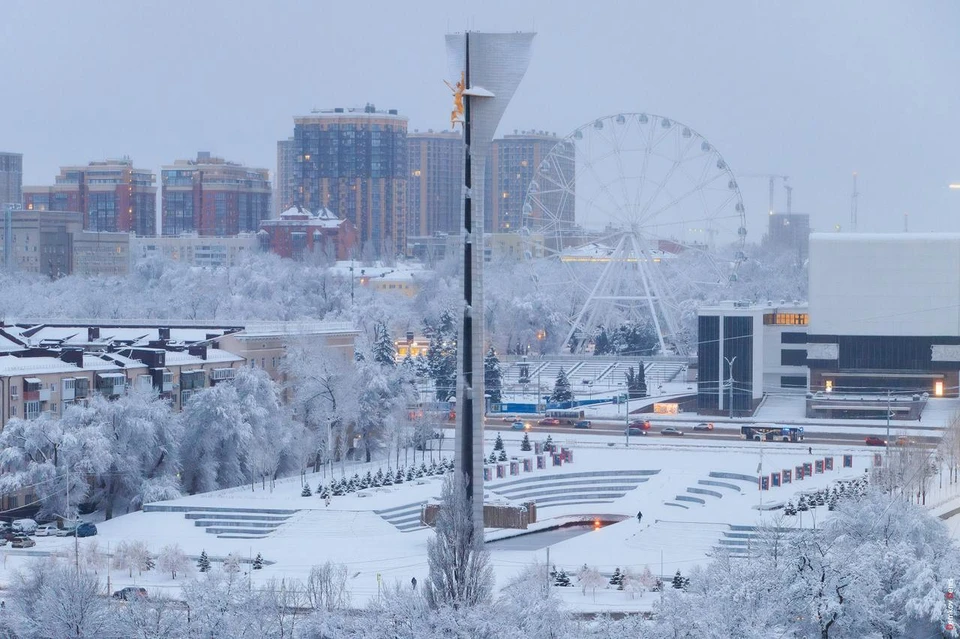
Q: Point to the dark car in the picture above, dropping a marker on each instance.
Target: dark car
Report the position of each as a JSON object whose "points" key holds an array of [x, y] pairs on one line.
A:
{"points": [[130, 592], [640, 423], [549, 421], [583, 423], [875, 441], [634, 431], [703, 426], [670, 430], [86, 530]]}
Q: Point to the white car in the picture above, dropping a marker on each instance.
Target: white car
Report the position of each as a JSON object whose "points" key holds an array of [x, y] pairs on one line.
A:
{"points": [[25, 526], [46, 530]]}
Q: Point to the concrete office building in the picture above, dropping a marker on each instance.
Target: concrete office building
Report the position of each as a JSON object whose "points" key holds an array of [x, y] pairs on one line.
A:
{"points": [[11, 180], [194, 250], [40, 242], [434, 183]]}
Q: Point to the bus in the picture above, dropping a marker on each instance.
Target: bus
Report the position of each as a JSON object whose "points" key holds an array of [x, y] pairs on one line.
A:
{"points": [[566, 416], [772, 432]]}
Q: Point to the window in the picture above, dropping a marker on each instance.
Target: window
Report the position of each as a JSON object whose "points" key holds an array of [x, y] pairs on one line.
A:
{"points": [[793, 381], [13, 411], [53, 407], [790, 337], [786, 319], [793, 357], [13, 391], [13, 501]]}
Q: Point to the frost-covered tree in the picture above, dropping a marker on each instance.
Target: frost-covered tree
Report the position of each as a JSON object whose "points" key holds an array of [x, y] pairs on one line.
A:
{"points": [[442, 356], [561, 388], [498, 444], [384, 350], [460, 571], [173, 560], [636, 382], [203, 564], [525, 444], [492, 376], [258, 562]]}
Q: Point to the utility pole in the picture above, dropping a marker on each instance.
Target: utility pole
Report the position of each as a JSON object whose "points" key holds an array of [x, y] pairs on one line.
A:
{"points": [[548, 568], [730, 362], [886, 448], [627, 416]]}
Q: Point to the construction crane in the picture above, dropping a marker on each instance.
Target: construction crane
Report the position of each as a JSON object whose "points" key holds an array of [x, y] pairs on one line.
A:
{"points": [[773, 180]]}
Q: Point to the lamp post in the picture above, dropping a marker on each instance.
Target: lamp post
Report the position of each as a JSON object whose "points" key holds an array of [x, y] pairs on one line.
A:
{"points": [[730, 362]]}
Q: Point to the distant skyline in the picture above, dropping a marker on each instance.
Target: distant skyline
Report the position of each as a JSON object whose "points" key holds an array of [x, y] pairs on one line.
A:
{"points": [[812, 90]]}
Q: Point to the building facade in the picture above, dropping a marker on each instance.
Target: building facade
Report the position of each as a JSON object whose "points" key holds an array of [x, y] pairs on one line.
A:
{"points": [[434, 183], [101, 253], [287, 191], [212, 197], [511, 167], [354, 162], [789, 232], [192, 249], [11, 180], [299, 233], [40, 242], [885, 313], [112, 195], [746, 349]]}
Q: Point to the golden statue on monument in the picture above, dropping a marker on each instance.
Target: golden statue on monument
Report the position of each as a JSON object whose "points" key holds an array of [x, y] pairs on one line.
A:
{"points": [[456, 116]]}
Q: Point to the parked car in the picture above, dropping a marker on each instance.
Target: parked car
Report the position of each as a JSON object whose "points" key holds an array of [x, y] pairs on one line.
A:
{"points": [[25, 526], [583, 423], [4, 526], [549, 421], [640, 423], [130, 592], [22, 541], [670, 430], [903, 441], [86, 530], [875, 441], [703, 426], [634, 431], [46, 530]]}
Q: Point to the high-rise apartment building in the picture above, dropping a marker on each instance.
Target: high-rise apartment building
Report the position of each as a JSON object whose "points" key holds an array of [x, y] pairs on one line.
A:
{"points": [[434, 183], [113, 196], [287, 187], [354, 163], [212, 197], [11, 180], [511, 166]]}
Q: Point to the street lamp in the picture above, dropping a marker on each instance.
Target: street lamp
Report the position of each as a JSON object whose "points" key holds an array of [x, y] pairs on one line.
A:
{"points": [[730, 362]]}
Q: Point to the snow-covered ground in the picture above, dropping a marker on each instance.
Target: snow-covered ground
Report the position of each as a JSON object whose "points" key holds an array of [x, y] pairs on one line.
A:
{"points": [[350, 531]]}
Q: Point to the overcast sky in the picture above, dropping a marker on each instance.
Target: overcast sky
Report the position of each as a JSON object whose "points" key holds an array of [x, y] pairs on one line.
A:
{"points": [[813, 90]]}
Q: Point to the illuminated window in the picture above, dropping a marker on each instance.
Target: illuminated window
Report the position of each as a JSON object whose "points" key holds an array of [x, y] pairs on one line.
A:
{"points": [[786, 319], [829, 385], [938, 388]]}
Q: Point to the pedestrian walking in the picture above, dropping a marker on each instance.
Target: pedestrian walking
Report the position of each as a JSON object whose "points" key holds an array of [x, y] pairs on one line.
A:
{"points": [[326, 500], [639, 516], [413, 582], [809, 450]]}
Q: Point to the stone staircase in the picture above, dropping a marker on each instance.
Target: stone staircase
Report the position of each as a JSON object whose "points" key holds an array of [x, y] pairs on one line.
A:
{"points": [[404, 518], [229, 523]]}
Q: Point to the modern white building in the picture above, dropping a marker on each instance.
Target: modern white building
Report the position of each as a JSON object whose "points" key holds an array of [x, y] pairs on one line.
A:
{"points": [[884, 312], [761, 346]]}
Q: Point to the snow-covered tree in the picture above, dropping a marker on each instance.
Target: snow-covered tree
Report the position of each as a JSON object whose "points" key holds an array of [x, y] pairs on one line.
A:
{"points": [[442, 356], [636, 382], [384, 350], [561, 388], [492, 376], [460, 571], [258, 562], [203, 564], [525, 443], [498, 444], [306, 492], [173, 560]]}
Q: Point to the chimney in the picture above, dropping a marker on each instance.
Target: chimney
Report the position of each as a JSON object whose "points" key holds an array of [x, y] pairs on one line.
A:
{"points": [[198, 350], [164, 333], [93, 333]]}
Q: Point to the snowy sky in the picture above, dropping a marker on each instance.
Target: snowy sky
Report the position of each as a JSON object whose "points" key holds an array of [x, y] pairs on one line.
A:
{"points": [[814, 90]]}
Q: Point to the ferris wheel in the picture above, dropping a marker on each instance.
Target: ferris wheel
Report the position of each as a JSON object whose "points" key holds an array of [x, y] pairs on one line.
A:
{"points": [[638, 218]]}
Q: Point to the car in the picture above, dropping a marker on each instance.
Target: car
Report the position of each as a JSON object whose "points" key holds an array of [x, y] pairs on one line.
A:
{"points": [[875, 441], [86, 530], [22, 541], [670, 430], [4, 526], [26, 526], [903, 441], [703, 426], [634, 431], [549, 421], [583, 423], [519, 425], [130, 592], [640, 423], [46, 530]]}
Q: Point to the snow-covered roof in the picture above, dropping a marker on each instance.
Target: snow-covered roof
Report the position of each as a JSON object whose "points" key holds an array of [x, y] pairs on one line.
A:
{"points": [[295, 216], [11, 366], [406, 272], [275, 329]]}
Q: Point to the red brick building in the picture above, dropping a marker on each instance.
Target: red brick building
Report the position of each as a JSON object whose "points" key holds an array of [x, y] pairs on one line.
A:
{"points": [[212, 197], [299, 233], [112, 195]]}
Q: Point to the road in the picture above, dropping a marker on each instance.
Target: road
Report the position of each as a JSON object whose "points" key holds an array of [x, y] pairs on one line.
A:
{"points": [[721, 432]]}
